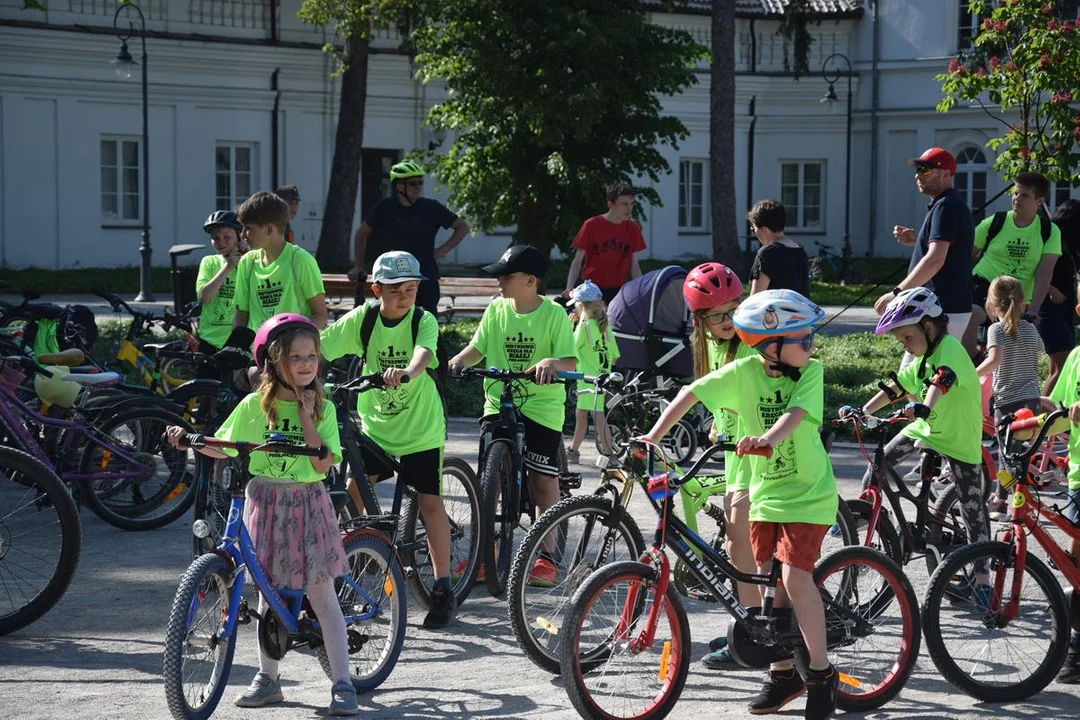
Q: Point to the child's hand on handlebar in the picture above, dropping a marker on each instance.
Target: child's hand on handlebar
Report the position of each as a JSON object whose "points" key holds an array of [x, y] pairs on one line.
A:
{"points": [[746, 444], [175, 435], [848, 411], [543, 371], [393, 377]]}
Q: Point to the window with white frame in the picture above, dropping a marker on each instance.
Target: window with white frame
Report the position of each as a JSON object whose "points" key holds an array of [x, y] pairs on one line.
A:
{"points": [[121, 176], [1059, 193], [972, 175], [693, 195], [801, 188], [968, 26], [234, 173]]}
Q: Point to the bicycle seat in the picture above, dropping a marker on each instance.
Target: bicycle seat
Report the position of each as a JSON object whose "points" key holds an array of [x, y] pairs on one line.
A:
{"points": [[155, 348], [94, 379]]}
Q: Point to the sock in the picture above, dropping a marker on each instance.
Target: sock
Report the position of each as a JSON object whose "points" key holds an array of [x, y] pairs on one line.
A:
{"points": [[820, 669], [444, 583]]}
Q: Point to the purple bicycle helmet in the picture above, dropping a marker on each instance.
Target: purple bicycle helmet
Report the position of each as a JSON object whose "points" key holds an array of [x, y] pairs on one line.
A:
{"points": [[908, 308], [274, 327]]}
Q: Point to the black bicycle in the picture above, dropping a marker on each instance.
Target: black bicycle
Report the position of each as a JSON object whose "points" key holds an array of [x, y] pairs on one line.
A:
{"points": [[404, 524]]}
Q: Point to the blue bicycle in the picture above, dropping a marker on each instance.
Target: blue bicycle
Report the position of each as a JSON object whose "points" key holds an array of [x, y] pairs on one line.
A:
{"points": [[209, 604]]}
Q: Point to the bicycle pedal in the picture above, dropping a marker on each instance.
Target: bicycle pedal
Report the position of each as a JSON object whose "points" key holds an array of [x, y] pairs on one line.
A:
{"points": [[569, 481]]}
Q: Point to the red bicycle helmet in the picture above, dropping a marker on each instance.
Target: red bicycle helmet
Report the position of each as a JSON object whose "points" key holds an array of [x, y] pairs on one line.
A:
{"points": [[274, 327], [710, 284]]}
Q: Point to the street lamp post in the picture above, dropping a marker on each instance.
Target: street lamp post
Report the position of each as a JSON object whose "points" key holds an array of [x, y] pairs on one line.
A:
{"points": [[124, 63], [830, 99]]}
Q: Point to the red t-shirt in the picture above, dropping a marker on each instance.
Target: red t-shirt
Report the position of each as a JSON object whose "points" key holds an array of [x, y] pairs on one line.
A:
{"points": [[608, 248]]}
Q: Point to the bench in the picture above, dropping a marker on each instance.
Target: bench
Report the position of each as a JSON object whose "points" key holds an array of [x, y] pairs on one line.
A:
{"points": [[342, 294]]}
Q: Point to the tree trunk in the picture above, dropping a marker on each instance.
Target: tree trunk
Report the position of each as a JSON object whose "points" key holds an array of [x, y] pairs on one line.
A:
{"points": [[533, 217], [725, 234], [333, 250]]}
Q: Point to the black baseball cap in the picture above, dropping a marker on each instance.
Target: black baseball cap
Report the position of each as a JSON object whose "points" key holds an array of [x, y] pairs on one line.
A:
{"points": [[520, 258]]}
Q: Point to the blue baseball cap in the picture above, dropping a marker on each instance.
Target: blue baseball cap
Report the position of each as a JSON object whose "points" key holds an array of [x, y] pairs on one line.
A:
{"points": [[587, 291], [397, 266]]}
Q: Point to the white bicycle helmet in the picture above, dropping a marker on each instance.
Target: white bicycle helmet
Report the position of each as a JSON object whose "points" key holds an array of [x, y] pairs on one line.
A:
{"points": [[774, 313], [53, 390], [908, 308]]}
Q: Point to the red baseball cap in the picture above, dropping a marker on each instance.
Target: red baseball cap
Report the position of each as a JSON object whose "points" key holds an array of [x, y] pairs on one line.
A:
{"points": [[935, 157]]}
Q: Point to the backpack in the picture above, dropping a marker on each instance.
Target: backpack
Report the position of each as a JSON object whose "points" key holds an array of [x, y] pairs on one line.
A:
{"points": [[367, 327], [1046, 227]]}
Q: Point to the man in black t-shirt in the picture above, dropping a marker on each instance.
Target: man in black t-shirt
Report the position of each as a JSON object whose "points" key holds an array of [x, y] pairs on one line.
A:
{"points": [[408, 222], [941, 258], [780, 263]]}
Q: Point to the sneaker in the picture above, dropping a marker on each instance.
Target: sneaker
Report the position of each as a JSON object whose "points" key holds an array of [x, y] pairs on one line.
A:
{"points": [[821, 688], [719, 660], [443, 608], [998, 509], [543, 573], [343, 699], [834, 531], [780, 688], [718, 643], [983, 597], [263, 690], [1070, 671], [573, 457]]}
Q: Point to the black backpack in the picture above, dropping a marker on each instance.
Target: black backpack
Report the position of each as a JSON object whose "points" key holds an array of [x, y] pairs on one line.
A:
{"points": [[1046, 227], [367, 327]]}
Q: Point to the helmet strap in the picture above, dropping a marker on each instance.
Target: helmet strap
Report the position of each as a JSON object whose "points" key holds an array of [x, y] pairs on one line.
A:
{"points": [[931, 346], [402, 196], [778, 365]]}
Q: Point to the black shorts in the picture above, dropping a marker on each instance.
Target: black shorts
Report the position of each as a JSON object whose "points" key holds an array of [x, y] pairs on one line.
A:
{"points": [[980, 288], [1056, 328], [541, 445], [422, 471]]}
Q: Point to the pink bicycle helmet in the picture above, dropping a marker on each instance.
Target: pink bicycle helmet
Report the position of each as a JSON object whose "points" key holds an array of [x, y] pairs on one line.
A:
{"points": [[710, 284], [274, 327]]}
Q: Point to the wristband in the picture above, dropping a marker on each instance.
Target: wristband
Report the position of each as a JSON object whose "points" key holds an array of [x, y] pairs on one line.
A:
{"points": [[896, 290]]}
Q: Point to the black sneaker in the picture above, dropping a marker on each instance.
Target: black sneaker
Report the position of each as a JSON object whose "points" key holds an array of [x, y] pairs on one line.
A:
{"points": [[780, 688], [1070, 671], [443, 608], [821, 693]]}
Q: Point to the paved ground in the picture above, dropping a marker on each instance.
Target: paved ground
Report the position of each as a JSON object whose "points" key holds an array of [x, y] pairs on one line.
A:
{"points": [[98, 653]]}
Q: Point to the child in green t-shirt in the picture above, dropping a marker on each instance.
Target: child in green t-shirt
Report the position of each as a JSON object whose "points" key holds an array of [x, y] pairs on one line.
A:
{"points": [[404, 419], [596, 353], [215, 284], [524, 331], [288, 512], [779, 397], [275, 277]]}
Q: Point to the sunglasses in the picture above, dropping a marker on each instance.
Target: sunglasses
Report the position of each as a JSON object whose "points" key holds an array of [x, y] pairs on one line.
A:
{"points": [[923, 170], [807, 342], [719, 317]]}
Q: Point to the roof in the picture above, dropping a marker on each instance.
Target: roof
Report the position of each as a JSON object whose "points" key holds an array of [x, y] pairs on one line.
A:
{"points": [[767, 8]]}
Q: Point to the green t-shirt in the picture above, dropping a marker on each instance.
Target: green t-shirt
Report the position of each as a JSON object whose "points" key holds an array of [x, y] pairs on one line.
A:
{"points": [[283, 286], [796, 484], [727, 423], [247, 423], [1067, 392], [512, 341], [1015, 251], [401, 420], [215, 321], [596, 353], [954, 427]]}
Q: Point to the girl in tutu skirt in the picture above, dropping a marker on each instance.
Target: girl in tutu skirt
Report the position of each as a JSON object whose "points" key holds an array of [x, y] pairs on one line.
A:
{"points": [[288, 510]]}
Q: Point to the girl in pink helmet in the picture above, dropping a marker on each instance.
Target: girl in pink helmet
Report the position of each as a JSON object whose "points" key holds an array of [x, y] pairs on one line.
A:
{"points": [[288, 511], [712, 291]]}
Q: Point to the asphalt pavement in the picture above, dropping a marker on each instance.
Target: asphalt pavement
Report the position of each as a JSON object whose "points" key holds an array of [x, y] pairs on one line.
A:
{"points": [[97, 654]]}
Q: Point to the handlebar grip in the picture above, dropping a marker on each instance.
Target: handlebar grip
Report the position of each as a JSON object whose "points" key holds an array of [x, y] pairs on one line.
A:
{"points": [[762, 451], [569, 375], [1031, 423]]}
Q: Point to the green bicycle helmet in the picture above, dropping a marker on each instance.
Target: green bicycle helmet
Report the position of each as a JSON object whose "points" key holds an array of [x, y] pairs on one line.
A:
{"points": [[407, 169]]}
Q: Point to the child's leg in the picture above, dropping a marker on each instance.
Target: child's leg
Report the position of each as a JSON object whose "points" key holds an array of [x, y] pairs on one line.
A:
{"points": [[267, 664], [324, 601], [581, 425], [806, 600], [737, 542], [354, 491], [437, 525], [603, 433], [973, 513]]}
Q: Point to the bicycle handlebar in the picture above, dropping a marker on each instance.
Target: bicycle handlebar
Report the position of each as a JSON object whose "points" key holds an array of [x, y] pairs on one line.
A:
{"points": [[198, 440], [363, 383], [1044, 423]]}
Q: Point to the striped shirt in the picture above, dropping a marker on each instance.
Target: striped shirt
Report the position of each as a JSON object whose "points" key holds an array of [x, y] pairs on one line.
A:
{"points": [[1017, 377]]}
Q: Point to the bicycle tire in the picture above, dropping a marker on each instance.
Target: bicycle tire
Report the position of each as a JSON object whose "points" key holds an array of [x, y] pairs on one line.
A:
{"points": [[211, 572], [950, 581], [370, 556], [944, 539], [853, 566], [103, 496], [464, 537], [529, 633], [200, 401], [661, 695], [500, 516], [684, 434], [30, 492], [620, 429]]}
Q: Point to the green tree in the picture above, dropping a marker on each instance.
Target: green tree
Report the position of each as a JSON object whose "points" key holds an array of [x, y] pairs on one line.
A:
{"points": [[355, 21], [550, 101], [1023, 71]]}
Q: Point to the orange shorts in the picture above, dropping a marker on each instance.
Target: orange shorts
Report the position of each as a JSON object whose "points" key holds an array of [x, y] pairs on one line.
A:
{"points": [[794, 544]]}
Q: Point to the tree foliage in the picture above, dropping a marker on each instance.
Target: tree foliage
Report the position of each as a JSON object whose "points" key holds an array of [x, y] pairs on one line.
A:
{"points": [[1024, 71], [550, 102]]}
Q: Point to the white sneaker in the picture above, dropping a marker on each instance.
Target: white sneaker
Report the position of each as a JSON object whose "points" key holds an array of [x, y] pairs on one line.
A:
{"points": [[264, 690]]}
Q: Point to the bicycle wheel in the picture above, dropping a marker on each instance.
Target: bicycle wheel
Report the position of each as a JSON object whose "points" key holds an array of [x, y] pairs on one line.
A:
{"points": [[681, 442], [163, 484], [501, 517], [873, 645], [611, 611], [945, 531], [198, 656], [621, 431], [1012, 651], [372, 597], [40, 539], [843, 533], [579, 535], [885, 538], [461, 497]]}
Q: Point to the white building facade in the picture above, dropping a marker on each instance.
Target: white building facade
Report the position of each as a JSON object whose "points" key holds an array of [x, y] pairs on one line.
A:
{"points": [[241, 98]]}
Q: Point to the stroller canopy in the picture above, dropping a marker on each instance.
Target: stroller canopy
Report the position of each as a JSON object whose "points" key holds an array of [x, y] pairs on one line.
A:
{"points": [[651, 322]]}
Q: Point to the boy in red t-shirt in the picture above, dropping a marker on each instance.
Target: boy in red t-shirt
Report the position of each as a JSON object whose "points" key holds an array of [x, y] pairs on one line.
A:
{"points": [[607, 245]]}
